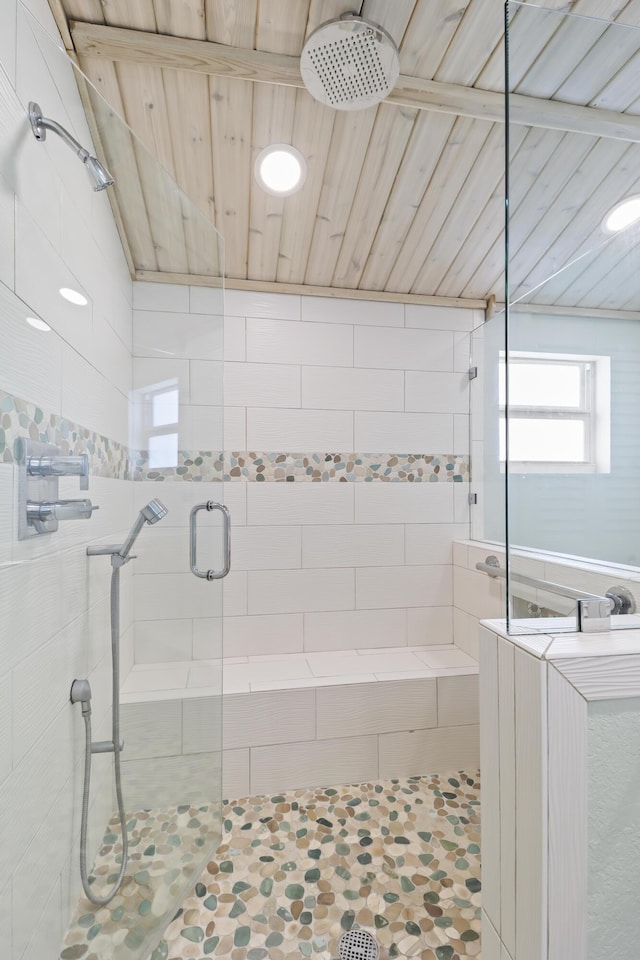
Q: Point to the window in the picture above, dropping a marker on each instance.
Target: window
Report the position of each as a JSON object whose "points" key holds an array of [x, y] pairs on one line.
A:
{"points": [[156, 414], [558, 413]]}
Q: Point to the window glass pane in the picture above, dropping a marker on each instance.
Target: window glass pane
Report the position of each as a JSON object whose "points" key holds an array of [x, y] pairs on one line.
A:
{"points": [[163, 450], [540, 384], [165, 408], [545, 440]]}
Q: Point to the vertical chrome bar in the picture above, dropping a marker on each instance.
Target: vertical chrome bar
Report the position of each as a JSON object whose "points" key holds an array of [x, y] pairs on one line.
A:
{"points": [[193, 541]]}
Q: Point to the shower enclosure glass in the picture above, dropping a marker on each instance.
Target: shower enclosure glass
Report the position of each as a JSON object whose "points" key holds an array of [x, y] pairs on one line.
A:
{"points": [[143, 399], [558, 419]]}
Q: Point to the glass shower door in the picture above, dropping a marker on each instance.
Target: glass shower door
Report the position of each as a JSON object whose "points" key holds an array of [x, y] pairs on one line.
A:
{"points": [[171, 624]]}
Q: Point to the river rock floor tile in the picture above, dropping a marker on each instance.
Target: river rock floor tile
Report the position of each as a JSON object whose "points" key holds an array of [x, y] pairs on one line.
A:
{"points": [[167, 848], [400, 858]]}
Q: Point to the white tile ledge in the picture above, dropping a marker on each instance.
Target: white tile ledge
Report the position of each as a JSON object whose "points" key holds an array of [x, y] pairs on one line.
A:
{"points": [[149, 682], [612, 644]]}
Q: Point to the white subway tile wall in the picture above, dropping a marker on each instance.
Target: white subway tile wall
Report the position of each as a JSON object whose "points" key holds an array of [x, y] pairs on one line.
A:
{"points": [[53, 600], [330, 565]]}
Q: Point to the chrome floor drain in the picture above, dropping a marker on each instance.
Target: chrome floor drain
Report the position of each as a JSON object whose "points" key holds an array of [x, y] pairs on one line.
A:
{"points": [[358, 945]]}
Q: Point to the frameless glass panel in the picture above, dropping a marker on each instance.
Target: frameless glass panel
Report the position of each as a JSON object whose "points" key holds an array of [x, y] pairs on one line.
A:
{"points": [[571, 403], [155, 434]]}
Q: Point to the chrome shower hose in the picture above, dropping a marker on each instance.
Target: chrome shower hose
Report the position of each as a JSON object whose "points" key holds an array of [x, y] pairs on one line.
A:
{"points": [[115, 733]]}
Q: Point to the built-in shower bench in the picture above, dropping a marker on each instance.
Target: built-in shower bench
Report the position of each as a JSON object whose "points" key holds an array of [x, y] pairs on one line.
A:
{"points": [[305, 719]]}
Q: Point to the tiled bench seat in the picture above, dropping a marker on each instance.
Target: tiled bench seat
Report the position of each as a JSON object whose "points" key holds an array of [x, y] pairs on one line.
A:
{"points": [[301, 720]]}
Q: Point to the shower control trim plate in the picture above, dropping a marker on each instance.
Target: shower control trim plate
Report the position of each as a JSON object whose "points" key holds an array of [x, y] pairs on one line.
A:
{"points": [[40, 465]]}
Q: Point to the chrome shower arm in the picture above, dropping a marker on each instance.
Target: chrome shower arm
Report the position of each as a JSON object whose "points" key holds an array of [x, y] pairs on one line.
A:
{"points": [[41, 124], [97, 172]]}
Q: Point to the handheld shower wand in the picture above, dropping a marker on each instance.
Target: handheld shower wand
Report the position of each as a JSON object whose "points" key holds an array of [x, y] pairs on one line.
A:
{"points": [[98, 174], [155, 510]]}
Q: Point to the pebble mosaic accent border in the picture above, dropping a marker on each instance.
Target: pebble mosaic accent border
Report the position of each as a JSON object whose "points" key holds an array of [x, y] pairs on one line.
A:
{"points": [[19, 418], [246, 465], [108, 458], [400, 858]]}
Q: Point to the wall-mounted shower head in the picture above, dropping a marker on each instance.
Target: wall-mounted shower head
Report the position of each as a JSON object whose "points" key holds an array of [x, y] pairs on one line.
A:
{"points": [[98, 174], [153, 511]]}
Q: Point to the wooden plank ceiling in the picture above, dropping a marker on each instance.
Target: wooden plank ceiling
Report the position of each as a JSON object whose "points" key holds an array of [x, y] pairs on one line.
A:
{"points": [[403, 199]]}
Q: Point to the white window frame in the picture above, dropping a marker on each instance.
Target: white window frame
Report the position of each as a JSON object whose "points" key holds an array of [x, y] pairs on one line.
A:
{"points": [[594, 411]]}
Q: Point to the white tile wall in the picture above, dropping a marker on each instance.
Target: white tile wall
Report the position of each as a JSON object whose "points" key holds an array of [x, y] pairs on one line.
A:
{"points": [[355, 545], [299, 430], [403, 586], [437, 392], [160, 332], [244, 303], [432, 542], [207, 300], [206, 382], [282, 341], [163, 640], [260, 718], [352, 759], [235, 339], [404, 502], [235, 774], [394, 706], [267, 548], [403, 349], [297, 591], [300, 503], [162, 296], [430, 625], [338, 630], [263, 634], [262, 385], [291, 385], [353, 389], [402, 432], [371, 313], [438, 750]]}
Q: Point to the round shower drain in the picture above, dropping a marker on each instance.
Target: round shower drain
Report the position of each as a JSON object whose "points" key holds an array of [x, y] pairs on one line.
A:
{"points": [[358, 945]]}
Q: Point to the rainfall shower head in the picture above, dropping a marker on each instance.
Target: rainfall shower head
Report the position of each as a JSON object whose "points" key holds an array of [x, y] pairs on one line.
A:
{"points": [[155, 510], [98, 174], [349, 64]]}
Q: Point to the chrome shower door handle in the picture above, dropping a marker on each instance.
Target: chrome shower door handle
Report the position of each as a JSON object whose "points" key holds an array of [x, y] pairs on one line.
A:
{"points": [[193, 542]]}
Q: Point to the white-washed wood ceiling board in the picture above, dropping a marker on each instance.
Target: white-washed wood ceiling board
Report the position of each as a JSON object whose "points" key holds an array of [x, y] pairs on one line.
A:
{"points": [[404, 198]]}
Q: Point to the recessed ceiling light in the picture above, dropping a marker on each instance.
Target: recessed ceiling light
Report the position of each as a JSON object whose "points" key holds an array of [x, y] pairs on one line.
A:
{"points": [[38, 323], [73, 296], [280, 169], [622, 215]]}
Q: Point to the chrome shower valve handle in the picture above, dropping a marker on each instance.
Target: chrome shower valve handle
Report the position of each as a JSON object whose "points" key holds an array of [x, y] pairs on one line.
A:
{"points": [[45, 510]]}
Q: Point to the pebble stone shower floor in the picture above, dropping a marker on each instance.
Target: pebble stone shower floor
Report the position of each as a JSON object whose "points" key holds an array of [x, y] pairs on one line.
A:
{"points": [[398, 857]]}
